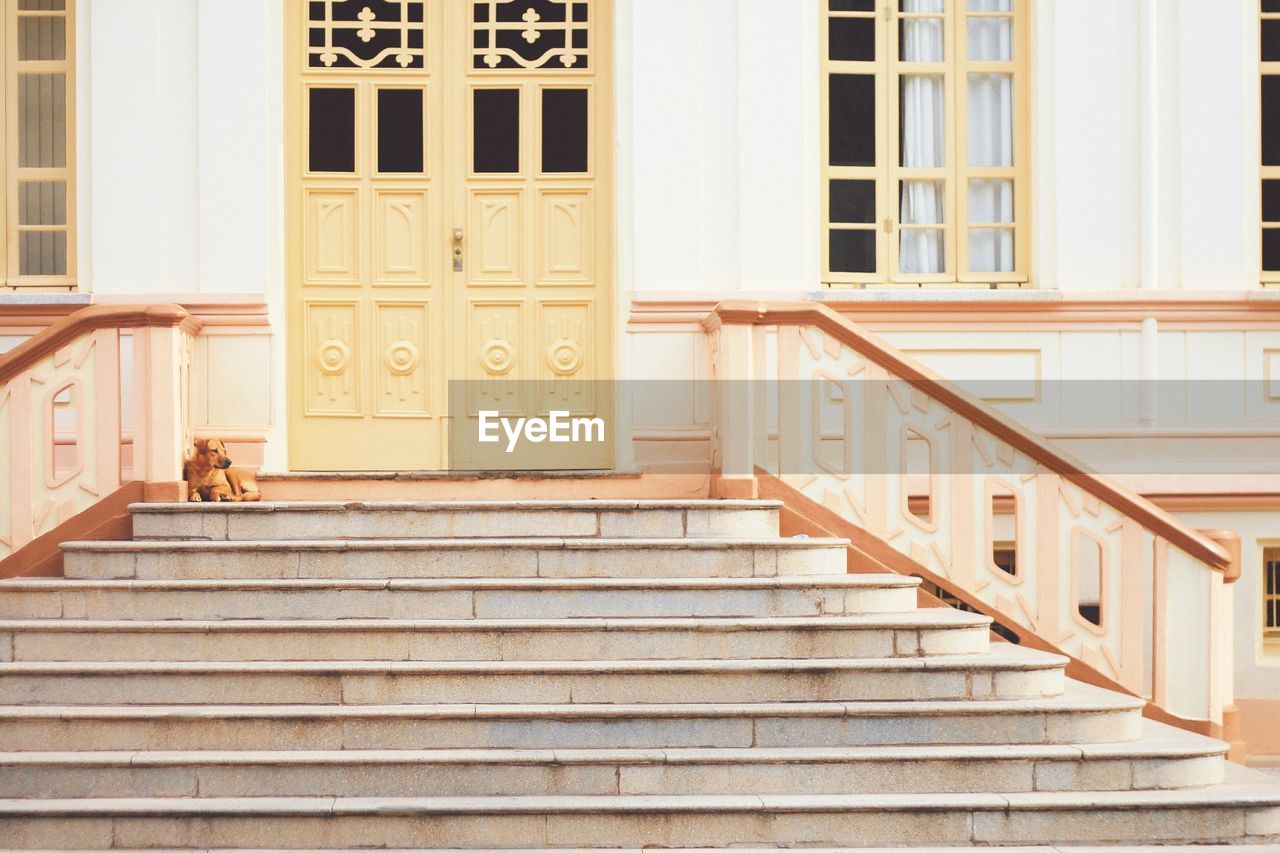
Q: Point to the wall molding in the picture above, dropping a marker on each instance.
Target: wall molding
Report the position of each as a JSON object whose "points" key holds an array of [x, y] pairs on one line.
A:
{"points": [[233, 313], [999, 309]]}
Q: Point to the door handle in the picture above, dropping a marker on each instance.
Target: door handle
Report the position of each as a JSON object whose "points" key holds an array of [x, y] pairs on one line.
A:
{"points": [[457, 249]]}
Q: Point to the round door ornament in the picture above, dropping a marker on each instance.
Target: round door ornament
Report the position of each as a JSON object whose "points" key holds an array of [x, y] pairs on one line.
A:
{"points": [[402, 357], [334, 357], [497, 357], [564, 357]]}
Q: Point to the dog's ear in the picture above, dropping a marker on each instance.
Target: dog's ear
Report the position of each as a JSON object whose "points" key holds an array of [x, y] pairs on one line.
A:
{"points": [[202, 445]]}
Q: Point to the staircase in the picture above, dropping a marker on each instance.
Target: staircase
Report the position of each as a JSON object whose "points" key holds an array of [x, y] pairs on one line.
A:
{"points": [[554, 674]]}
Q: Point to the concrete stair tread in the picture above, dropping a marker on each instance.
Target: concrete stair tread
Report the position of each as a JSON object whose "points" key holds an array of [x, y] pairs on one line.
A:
{"points": [[1218, 796], [1077, 698], [933, 617], [848, 581], [1007, 658], [165, 598], [453, 506], [167, 546], [1144, 748], [1057, 848]]}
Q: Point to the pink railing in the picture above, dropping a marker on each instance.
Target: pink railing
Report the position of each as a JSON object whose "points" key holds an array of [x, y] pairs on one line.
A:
{"points": [[974, 499], [69, 397]]}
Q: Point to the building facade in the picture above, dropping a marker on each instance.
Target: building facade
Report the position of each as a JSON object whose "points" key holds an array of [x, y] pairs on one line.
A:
{"points": [[365, 199]]}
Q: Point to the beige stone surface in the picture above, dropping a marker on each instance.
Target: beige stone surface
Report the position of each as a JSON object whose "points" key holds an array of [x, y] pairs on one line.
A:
{"points": [[567, 674], [1172, 824]]}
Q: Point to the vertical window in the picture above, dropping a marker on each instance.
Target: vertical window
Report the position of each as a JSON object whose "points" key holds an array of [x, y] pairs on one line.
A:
{"points": [[1269, 57], [1271, 593], [38, 106], [925, 155]]}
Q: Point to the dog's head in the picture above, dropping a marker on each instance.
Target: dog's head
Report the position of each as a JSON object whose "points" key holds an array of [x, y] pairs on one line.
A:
{"points": [[212, 452]]}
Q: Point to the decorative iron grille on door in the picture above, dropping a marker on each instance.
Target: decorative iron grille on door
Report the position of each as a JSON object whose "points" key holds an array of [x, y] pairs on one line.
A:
{"points": [[531, 34]]}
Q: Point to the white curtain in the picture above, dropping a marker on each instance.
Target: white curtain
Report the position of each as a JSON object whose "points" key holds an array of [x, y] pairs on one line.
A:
{"points": [[923, 141], [990, 108]]}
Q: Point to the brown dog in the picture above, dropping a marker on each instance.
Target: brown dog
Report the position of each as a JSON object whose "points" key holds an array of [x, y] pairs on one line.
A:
{"points": [[210, 477]]}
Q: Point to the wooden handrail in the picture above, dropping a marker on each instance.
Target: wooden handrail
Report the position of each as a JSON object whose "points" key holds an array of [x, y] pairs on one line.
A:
{"points": [[1150, 516], [26, 354]]}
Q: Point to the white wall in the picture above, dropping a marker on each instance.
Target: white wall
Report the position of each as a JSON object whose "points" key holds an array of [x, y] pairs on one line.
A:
{"points": [[180, 161], [723, 115], [1257, 675], [181, 178]]}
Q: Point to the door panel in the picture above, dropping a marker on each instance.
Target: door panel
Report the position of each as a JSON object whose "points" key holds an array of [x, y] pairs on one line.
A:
{"points": [[425, 248], [538, 247]]}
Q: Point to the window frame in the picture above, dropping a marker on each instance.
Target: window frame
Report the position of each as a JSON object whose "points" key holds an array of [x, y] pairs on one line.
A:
{"points": [[1270, 633], [956, 173], [1265, 173], [14, 175]]}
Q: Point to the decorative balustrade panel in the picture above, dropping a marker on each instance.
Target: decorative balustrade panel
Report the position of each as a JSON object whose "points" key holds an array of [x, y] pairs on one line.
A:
{"points": [[102, 379], [60, 437], [962, 497]]}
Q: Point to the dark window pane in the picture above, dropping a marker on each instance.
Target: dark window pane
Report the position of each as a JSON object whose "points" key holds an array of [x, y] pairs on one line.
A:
{"points": [[853, 201], [564, 130], [1271, 120], [853, 251], [332, 135], [852, 39], [1271, 40], [1271, 249], [1271, 5], [400, 130], [856, 5], [42, 253], [853, 119], [42, 120], [497, 131], [1271, 201]]}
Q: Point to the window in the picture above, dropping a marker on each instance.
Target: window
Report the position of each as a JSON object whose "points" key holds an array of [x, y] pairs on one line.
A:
{"points": [[925, 152], [38, 106], [1271, 593], [1269, 55]]}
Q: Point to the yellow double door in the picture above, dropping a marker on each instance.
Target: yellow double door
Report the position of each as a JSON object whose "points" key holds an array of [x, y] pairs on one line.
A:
{"points": [[449, 230]]}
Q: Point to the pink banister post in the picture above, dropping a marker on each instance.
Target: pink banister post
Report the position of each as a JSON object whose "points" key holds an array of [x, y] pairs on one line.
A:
{"points": [[21, 453], [159, 409], [966, 518], [106, 407], [1222, 640], [796, 423], [738, 411], [1050, 603]]}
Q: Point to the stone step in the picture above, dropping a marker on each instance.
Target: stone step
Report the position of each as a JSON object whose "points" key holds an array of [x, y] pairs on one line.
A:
{"points": [[1160, 761], [1056, 848], [456, 558], [935, 631], [1007, 673], [1083, 714], [1232, 813], [485, 598], [608, 519]]}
